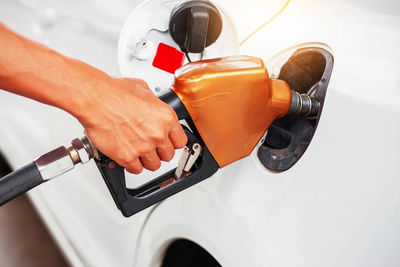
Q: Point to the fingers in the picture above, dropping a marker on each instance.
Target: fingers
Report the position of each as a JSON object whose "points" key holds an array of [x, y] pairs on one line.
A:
{"points": [[178, 137], [135, 166], [166, 152], [151, 161]]}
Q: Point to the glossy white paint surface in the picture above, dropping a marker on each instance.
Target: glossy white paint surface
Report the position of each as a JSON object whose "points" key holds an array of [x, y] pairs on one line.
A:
{"points": [[338, 206]]}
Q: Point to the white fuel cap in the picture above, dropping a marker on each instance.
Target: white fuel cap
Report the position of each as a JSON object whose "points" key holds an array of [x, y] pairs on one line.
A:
{"points": [[147, 27]]}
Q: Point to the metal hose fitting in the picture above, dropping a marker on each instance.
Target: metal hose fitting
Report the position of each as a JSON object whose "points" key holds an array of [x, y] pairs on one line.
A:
{"points": [[303, 104], [81, 150], [63, 159]]}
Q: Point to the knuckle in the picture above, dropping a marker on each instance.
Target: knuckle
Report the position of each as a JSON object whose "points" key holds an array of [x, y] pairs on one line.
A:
{"points": [[136, 167], [170, 115], [145, 149], [159, 137], [137, 170], [130, 159], [166, 151], [155, 166], [180, 142], [184, 141], [181, 145], [124, 157], [158, 164], [120, 159], [170, 156]]}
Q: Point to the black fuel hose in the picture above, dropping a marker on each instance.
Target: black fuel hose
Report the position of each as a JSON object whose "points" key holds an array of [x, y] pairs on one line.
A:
{"points": [[46, 167], [19, 182]]}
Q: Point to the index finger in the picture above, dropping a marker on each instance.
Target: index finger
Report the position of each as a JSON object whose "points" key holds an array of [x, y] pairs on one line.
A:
{"points": [[178, 137]]}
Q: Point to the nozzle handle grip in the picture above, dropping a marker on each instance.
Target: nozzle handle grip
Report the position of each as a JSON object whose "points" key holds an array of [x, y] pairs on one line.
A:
{"points": [[19, 182], [170, 98], [132, 200]]}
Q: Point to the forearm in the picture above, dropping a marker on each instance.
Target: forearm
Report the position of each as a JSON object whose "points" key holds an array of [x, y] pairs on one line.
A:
{"points": [[35, 71]]}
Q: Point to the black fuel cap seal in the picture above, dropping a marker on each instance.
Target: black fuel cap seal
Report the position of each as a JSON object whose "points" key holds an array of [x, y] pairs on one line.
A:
{"points": [[194, 25]]}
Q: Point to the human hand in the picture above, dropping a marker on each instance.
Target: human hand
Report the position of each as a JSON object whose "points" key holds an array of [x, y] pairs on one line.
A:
{"points": [[130, 125]]}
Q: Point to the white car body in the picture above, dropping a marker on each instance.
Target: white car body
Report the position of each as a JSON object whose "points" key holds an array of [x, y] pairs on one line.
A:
{"points": [[339, 205]]}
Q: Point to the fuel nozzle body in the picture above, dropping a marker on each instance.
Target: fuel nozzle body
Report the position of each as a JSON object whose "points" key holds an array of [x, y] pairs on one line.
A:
{"points": [[233, 101]]}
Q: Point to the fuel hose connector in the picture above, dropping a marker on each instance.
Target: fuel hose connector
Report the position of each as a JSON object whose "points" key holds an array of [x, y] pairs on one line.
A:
{"points": [[46, 167], [303, 104]]}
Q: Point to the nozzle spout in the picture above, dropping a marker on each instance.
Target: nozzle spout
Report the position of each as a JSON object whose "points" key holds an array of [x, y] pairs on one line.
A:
{"points": [[303, 104]]}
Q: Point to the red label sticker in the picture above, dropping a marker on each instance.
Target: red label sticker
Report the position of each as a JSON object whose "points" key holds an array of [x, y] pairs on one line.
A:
{"points": [[168, 58]]}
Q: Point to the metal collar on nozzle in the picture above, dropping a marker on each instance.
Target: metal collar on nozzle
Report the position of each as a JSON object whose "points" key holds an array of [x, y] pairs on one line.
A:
{"points": [[303, 104]]}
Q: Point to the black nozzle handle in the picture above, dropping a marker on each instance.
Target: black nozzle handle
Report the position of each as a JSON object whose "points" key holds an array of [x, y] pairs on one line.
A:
{"points": [[170, 98], [19, 182], [131, 201]]}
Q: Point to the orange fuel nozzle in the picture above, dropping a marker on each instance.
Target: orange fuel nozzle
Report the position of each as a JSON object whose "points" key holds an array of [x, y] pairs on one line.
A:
{"points": [[232, 102]]}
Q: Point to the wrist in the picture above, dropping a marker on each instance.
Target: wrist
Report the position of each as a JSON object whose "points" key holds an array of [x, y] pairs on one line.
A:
{"points": [[85, 103]]}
